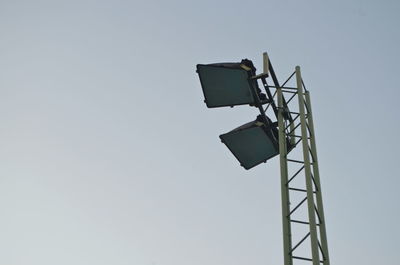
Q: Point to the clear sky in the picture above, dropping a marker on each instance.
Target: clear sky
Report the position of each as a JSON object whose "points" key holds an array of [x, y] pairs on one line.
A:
{"points": [[108, 154]]}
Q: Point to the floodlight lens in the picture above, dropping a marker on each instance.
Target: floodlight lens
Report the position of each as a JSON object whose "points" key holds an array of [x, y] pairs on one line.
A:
{"points": [[225, 85], [252, 143]]}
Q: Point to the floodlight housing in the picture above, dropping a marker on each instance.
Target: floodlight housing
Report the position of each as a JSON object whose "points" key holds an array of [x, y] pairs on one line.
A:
{"points": [[253, 143], [229, 84]]}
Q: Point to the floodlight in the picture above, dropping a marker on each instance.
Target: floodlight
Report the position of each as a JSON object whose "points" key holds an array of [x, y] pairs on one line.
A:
{"points": [[229, 84], [253, 143]]}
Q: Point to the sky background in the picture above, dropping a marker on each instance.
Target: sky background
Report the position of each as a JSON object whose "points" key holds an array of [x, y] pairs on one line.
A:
{"points": [[108, 154]]}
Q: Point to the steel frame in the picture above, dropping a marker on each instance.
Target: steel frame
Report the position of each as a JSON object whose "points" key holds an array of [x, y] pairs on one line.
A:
{"points": [[292, 118], [288, 122]]}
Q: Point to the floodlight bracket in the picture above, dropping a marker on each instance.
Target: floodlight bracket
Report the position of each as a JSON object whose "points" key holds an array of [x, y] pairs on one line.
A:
{"points": [[286, 115], [265, 63], [259, 76]]}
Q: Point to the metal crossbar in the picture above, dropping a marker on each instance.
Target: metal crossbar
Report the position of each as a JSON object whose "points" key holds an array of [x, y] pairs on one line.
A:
{"points": [[296, 189], [300, 222], [297, 207], [292, 122], [295, 174], [292, 97], [308, 259], [284, 87], [301, 241], [269, 104], [287, 80]]}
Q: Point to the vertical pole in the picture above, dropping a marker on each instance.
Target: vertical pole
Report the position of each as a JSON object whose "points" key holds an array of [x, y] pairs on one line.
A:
{"points": [[292, 138], [322, 226], [307, 168], [287, 240]]}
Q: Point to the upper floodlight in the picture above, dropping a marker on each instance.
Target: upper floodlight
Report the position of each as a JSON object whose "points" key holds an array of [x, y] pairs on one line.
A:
{"points": [[229, 84]]}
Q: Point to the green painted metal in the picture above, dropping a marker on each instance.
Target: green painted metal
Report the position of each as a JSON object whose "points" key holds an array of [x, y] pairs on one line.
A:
{"points": [[307, 168], [315, 219], [285, 200], [320, 207]]}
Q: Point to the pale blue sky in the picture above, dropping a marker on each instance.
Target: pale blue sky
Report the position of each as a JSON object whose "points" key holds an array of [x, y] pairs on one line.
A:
{"points": [[108, 154]]}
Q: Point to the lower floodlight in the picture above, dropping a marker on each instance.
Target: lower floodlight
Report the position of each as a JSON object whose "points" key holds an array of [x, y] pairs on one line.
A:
{"points": [[253, 143], [230, 84]]}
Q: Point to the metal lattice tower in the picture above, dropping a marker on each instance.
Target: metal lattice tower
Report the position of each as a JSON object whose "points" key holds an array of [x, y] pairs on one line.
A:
{"points": [[291, 137], [307, 166]]}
